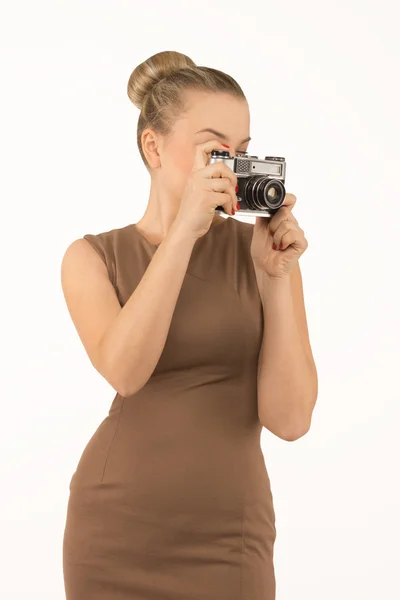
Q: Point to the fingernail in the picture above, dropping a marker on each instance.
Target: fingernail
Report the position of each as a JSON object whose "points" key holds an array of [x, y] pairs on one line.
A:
{"points": [[237, 188], [233, 212], [224, 145], [274, 246], [272, 232], [237, 206], [281, 246]]}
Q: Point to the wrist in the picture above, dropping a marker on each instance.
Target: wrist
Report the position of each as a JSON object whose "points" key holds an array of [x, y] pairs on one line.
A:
{"points": [[181, 235], [268, 286]]}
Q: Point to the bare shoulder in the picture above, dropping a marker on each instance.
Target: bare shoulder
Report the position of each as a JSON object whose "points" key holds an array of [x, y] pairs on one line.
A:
{"points": [[78, 249], [81, 260]]}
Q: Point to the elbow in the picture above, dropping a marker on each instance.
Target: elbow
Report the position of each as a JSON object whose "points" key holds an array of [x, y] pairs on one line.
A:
{"points": [[120, 387], [120, 384], [296, 427], [118, 380], [125, 379], [125, 389], [290, 432], [294, 434], [295, 431], [122, 391], [128, 388]]}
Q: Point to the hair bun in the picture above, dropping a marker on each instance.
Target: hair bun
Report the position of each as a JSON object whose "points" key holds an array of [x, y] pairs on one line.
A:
{"points": [[152, 70]]}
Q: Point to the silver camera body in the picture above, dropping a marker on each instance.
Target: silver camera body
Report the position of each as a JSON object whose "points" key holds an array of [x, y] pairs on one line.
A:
{"points": [[261, 182]]}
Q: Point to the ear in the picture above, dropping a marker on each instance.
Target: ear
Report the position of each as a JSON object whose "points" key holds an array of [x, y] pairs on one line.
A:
{"points": [[150, 144]]}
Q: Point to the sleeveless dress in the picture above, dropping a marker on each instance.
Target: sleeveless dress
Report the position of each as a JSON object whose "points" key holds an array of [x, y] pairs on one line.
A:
{"points": [[171, 498]]}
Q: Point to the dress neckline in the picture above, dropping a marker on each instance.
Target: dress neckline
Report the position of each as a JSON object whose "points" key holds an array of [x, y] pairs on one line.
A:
{"points": [[224, 219]]}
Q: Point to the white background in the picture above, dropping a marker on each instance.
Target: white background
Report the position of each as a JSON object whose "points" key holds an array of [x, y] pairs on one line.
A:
{"points": [[322, 80]]}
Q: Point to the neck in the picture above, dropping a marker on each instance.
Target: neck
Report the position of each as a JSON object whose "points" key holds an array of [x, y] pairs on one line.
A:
{"points": [[160, 213]]}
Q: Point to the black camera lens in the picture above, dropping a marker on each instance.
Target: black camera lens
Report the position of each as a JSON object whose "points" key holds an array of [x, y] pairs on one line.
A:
{"points": [[261, 193], [220, 154]]}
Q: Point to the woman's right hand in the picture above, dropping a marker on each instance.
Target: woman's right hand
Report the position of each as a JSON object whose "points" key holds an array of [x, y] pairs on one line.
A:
{"points": [[207, 187]]}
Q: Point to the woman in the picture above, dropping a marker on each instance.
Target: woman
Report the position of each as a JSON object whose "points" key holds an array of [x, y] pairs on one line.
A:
{"points": [[171, 498]]}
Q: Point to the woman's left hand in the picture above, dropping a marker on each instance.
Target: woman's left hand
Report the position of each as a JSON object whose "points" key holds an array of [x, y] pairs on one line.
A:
{"points": [[278, 241]]}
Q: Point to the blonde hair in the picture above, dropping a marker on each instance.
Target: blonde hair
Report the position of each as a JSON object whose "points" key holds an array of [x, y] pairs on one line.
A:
{"points": [[155, 86]]}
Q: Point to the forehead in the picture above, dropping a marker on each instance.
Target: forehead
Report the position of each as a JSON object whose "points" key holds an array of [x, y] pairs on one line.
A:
{"points": [[216, 110]]}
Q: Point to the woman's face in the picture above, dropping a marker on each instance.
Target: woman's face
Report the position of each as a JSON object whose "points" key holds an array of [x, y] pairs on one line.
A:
{"points": [[228, 116]]}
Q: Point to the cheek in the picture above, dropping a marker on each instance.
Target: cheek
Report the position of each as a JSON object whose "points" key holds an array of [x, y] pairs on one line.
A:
{"points": [[178, 162], [180, 154], [183, 160]]}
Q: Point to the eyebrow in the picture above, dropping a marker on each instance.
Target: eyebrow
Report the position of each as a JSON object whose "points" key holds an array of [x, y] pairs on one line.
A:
{"points": [[219, 134]]}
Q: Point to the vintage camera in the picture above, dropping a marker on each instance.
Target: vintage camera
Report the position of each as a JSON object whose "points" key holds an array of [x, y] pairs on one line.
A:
{"points": [[260, 182]]}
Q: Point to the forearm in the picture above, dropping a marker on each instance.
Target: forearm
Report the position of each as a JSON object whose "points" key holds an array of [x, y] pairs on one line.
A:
{"points": [[287, 382], [133, 344]]}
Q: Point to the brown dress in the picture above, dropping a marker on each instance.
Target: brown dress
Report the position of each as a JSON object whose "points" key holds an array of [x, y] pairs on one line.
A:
{"points": [[171, 498]]}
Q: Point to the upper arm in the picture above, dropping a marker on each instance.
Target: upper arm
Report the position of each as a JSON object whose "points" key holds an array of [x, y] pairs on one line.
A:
{"points": [[91, 299]]}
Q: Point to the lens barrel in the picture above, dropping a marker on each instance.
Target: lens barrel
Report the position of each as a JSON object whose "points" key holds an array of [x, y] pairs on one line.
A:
{"points": [[262, 193]]}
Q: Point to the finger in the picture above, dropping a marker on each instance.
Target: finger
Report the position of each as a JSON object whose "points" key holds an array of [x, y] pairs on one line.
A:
{"points": [[290, 200], [218, 169], [295, 239], [281, 216], [223, 184], [220, 184], [283, 230], [223, 199], [203, 152]]}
